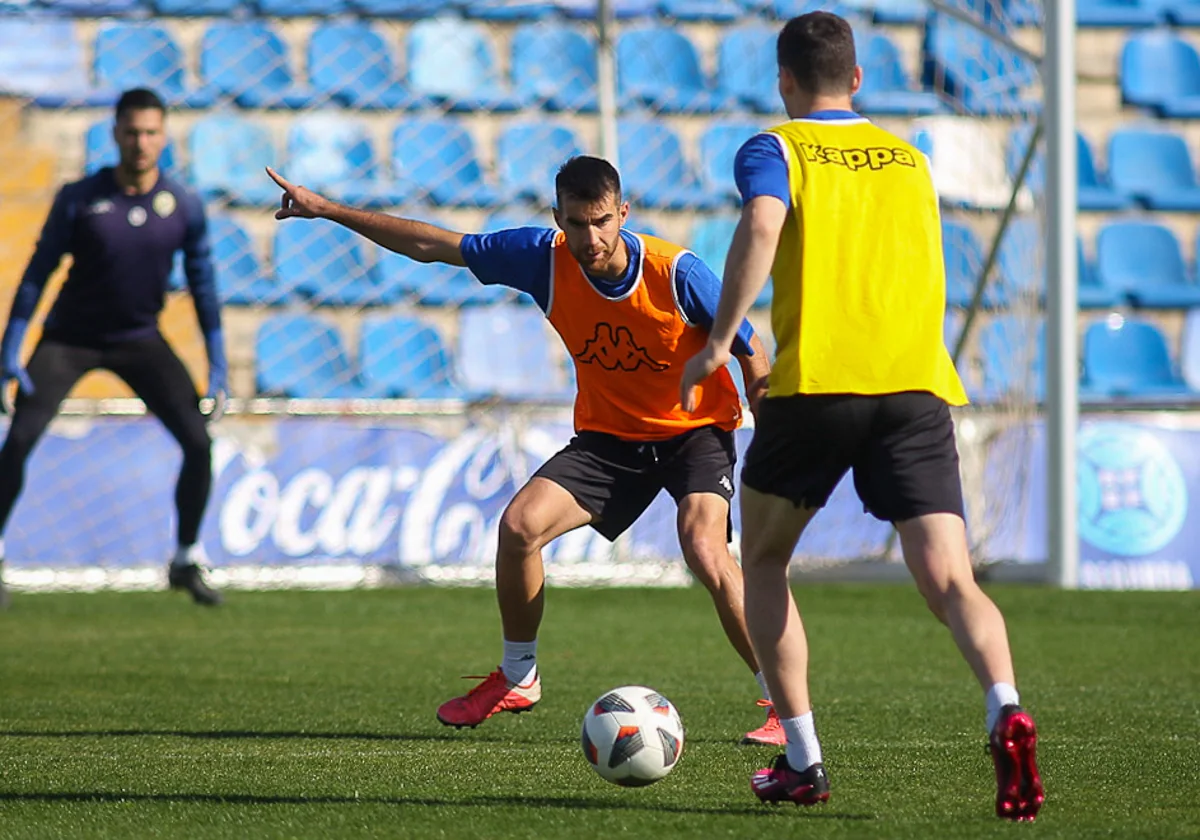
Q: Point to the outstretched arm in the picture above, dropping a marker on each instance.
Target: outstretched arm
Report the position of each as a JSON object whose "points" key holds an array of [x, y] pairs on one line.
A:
{"points": [[53, 243], [416, 240], [747, 268]]}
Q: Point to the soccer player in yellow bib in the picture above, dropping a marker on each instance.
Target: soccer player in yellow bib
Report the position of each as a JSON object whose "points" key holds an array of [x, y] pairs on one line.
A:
{"points": [[845, 217]]}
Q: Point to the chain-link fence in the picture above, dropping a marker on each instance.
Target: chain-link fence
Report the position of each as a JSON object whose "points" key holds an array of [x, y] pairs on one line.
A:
{"points": [[355, 371]]}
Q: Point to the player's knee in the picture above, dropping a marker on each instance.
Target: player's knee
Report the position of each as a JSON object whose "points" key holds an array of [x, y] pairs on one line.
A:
{"points": [[708, 559], [519, 532], [943, 593]]}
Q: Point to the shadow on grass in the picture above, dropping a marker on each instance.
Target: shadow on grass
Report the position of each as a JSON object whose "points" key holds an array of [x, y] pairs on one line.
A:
{"points": [[237, 734], [464, 735], [566, 803]]}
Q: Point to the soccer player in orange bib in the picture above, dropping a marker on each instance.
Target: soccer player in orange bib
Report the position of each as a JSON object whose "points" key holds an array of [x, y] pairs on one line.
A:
{"points": [[844, 217], [631, 309]]}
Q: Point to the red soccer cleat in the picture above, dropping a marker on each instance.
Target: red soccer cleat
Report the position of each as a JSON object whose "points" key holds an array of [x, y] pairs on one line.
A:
{"points": [[494, 694], [780, 783], [1013, 746], [771, 733]]}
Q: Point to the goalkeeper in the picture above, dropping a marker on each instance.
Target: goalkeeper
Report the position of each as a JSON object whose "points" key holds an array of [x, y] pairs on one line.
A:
{"points": [[122, 226]]}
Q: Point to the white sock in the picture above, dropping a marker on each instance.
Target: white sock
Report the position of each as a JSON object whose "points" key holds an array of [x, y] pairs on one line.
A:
{"points": [[803, 748], [999, 696], [762, 683], [520, 661], [190, 555]]}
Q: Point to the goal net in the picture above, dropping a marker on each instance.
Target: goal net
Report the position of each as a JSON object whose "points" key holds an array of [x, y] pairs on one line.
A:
{"points": [[383, 411]]}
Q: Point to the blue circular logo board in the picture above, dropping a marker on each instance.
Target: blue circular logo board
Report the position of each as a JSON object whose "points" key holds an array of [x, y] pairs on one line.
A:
{"points": [[1132, 495]]}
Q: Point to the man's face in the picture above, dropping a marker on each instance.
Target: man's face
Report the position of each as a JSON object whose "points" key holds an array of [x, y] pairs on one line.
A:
{"points": [[140, 139], [593, 229]]}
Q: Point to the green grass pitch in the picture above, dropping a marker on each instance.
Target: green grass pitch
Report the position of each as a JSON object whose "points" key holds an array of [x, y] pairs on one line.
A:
{"points": [[310, 714]]}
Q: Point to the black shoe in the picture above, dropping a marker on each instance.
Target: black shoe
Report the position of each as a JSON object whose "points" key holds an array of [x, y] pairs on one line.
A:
{"points": [[780, 783], [191, 579]]}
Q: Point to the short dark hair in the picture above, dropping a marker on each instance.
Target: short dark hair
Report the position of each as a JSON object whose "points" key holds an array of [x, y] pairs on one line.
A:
{"points": [[587, 178], [818, 50], [139, 99]]}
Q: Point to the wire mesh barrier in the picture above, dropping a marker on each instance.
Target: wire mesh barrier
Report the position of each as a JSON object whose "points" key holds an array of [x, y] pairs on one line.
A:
{"points": [[383, 410]]}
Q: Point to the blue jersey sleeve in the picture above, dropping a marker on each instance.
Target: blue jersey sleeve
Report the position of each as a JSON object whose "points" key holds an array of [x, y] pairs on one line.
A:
{"points": [[518, 258], [53, 244], [698, 290], [760, 168], [198, 265]]}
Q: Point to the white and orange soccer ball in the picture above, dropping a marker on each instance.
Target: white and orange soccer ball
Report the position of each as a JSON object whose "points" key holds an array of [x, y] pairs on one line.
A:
{"points": [[632, 736]]}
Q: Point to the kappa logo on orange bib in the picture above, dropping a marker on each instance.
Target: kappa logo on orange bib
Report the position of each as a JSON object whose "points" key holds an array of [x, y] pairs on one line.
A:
{"points": [[614, 350]]}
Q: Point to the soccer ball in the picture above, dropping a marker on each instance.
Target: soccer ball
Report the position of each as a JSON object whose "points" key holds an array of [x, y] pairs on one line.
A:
{"points": [[632, 736]]}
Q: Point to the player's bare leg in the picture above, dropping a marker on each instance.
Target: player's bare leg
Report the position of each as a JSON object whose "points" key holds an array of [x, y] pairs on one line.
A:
{"points": [[541, 512], [935, 549], [771, 525], [702, 522]]}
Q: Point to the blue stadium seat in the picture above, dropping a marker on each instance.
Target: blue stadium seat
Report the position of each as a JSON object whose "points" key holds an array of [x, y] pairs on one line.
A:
{"points": [[555, 67], [528, 156], [42, 58], [1022, 265], [658, 68], [964, 260], [351, 63], [710, 240], [510, 10], [300, 8], [904, 12], [228, 156], [333, 154], [436, 284], [453, 62], [1117, 13], [438, 156], [247, 60], [977, 73], [240, 278], [1093, 191], [713, 11], [1184, 12], [402, 9], [100, 150], [622, 9], [1154, 167], [1189, 354], [1013, 352], [1128, 358], [719, 146], [1160, 70], [507, 351], [747, 71], [303, 357], [403, 357], [654, 170], [130, 55], [92, 8], [886, 88], [1143, 261], [196, 8], [326, 264]]}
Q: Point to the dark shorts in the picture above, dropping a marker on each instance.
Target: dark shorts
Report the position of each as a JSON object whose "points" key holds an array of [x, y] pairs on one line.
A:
{"points": [[616, 480], [900, 447]]}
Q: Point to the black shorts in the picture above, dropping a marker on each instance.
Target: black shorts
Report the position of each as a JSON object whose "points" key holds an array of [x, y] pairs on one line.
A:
{"points": [[616, 480], [900, 446]]}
